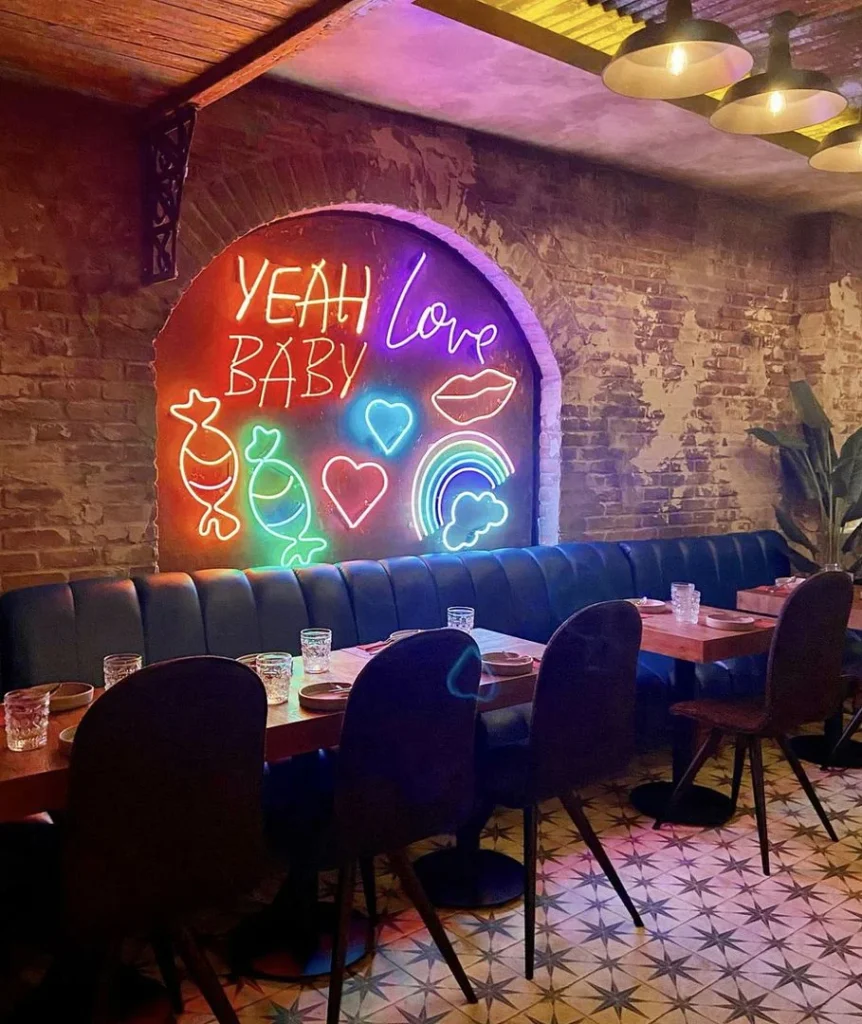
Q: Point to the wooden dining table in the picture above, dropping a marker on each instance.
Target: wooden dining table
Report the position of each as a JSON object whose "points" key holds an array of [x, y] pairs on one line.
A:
{"points": [[37, 780], [692, 644], [818, 748]]}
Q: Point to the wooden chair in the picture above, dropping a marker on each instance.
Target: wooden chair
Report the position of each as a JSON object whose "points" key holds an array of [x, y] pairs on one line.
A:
{"points": [[582, 727], [803, 684], [164, 814], [405, 772]]}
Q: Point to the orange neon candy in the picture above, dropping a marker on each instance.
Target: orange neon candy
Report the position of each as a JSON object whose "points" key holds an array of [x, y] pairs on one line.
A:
{"points": [[208, 464]]}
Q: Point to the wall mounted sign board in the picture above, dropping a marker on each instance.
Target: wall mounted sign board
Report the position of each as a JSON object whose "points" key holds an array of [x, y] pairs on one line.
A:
{"points": [[341, 385]]}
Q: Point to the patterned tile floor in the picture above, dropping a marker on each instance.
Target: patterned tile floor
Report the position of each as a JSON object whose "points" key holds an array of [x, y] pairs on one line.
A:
{"points": [[721, 942]]}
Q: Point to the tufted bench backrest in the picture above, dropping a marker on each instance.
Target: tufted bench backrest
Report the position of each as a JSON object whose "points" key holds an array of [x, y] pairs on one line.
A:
{"points": [[62, 631]]}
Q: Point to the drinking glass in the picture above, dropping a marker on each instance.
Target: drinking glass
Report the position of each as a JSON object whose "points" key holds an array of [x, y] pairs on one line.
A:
{"points": [[274, 668], [117, 666], [694, 608], [27, 718], [680, 596], [316, 647], [460, 618]]}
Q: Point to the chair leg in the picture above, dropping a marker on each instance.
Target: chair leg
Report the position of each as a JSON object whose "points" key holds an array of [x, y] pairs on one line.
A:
{"points": [[759, 799], [707, 748], [575, 811], [805, 782], [344, 906], [168, 968], [738, 766], [202, 974], [845, 737], [102, 989], [413, 887], [531, 851], [369, 887]]}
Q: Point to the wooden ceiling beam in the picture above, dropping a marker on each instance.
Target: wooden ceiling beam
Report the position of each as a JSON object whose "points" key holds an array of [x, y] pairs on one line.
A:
{"points": [[247, 63]]}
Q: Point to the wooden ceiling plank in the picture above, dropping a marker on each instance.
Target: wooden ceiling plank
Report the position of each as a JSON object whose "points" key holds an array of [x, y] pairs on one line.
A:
{"points": [[251, 61], [160, 55], [150, 18], [238, 14], [130, 81]]}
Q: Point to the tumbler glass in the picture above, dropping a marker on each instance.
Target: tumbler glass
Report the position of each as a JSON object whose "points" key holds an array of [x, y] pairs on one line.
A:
{"points": [[681, 597], [117, 666], [694, 608], [316, 647], [274, 669], [27, 718], [460, 618]]}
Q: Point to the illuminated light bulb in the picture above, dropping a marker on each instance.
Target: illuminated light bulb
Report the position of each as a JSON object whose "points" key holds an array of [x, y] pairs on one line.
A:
{"points": [[677, 61], [777, 103]]}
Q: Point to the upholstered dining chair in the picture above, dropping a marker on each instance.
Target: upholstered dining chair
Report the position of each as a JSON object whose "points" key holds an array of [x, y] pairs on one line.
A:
{"points": [[803, 684], [164, 814], [405, 771], [581, 728]]}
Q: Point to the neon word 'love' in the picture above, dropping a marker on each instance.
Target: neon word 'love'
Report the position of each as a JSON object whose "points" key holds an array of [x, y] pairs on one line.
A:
{"points": [[435, 318]]}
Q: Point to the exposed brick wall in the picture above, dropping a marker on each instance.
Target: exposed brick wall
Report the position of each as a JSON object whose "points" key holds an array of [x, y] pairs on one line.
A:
{"points": [[677, 318]]}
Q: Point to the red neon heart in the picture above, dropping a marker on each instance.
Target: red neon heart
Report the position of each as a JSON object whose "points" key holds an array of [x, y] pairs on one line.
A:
{"points": [[355, 488]]}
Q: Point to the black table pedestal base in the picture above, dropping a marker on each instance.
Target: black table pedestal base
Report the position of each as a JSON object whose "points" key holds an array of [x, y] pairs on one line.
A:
{"points": [[465, 878], [277, 948], [702, 806], [818, 750]]}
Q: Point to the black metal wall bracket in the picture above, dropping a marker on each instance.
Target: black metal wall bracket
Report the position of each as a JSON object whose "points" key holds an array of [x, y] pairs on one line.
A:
{"points": [[165, 153]]}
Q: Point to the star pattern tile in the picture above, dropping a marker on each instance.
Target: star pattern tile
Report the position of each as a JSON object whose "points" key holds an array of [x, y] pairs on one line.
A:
{"points": [[721, 943]]}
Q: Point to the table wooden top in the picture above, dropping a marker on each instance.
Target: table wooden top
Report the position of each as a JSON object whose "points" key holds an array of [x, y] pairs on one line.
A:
{"points": [[36, 780], [662, 634], [770, 601]]}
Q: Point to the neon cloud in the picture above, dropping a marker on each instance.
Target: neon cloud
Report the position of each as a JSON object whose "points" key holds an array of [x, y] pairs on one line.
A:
{"points": [[463, 399], [210, 481], [279, 499], [388, 422], [471, 517], [464, 451], [349, 515]]}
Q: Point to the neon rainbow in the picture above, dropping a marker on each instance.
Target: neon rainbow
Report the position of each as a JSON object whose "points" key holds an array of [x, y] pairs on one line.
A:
{"points": [[464, 451]]}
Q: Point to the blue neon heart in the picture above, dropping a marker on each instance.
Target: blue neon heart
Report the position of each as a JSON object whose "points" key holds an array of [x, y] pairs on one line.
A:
{"points": [[389, 422]]}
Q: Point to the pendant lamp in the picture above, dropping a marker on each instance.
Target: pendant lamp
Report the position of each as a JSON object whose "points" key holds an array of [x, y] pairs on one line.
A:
{"points": [[840, 150], [681, 56], [780, 99]]}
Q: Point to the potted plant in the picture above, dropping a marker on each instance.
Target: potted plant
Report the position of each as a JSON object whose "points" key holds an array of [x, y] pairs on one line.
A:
{"points": [[820, 513]]}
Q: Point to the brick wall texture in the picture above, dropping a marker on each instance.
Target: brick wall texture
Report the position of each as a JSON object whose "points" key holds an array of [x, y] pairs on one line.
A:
{"points": [[676, 317]]}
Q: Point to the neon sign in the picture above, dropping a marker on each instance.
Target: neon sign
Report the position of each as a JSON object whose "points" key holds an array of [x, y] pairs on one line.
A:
{"points": [[210, 481], [340, 480], [279, 499], [463, 452], [340, 385], [463, 399], [388, 422], [471, 517], [434, 318]]}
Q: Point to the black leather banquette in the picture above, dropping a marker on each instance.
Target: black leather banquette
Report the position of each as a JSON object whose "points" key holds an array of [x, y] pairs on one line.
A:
{"points": [[62, 631]]}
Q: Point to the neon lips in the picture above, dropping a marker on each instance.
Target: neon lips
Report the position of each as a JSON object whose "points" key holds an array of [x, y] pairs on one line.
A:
{"points": [[463, 399]]}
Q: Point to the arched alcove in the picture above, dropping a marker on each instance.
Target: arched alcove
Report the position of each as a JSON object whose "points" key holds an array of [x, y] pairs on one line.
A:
{"points": [[353, 381]]}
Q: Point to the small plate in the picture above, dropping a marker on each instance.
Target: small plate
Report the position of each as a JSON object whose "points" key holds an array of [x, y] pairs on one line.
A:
{"points": [[507, 663], [67, 738], [399, 634], [730, 620], [68, 695], [788, 582], [648, 605], [324, 696]]}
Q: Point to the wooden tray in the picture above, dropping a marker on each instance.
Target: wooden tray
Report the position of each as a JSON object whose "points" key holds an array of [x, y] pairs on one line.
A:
{"points": [[324, 696]]}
